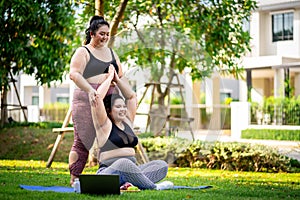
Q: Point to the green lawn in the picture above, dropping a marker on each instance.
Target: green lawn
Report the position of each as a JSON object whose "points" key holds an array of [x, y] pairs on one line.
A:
{"points": [[25, 150], [226, 185]]}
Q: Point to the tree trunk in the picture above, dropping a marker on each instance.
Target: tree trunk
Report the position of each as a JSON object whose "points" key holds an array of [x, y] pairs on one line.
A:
{"points": [[158, 117], [99, 7], [3, 106], [116, 21]]}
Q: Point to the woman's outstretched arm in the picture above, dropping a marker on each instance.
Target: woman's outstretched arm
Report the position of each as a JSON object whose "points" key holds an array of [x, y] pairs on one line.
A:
{"points": [[101, 122], [129, 94]]}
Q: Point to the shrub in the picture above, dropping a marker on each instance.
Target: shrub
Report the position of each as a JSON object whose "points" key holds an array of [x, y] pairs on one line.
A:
{"points": [[167, 149], [217, 155], [281, 110], [55, 111]]}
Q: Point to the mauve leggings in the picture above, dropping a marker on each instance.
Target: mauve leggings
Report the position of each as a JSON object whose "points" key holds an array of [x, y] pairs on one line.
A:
{"points": [[84, 131]]}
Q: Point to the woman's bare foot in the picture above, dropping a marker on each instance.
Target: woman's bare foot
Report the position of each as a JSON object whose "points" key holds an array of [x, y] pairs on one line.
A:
{"points": [[72, 179]]}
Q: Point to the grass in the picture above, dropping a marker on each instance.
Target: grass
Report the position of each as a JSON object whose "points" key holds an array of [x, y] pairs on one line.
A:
{"points": [[24, 152], [32, 143], [226, 185]]}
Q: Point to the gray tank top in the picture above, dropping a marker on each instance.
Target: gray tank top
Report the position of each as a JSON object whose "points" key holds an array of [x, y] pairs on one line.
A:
{"points": [[95, 66]]}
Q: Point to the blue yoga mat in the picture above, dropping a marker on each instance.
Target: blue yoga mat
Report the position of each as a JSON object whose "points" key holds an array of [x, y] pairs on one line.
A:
{"points": [[47, 188], [70, 189], [192, 188]]}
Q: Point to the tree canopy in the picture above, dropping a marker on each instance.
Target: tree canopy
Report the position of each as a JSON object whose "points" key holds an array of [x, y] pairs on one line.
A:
{"points": [[172, 35], [203, 35], [36, 40], [164, 36]]}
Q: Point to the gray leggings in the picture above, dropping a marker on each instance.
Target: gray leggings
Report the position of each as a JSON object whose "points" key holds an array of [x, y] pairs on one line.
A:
{"points": [[143, 176]]}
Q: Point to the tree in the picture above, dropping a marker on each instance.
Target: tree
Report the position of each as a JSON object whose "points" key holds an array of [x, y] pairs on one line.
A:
{"points": [[203, 35], [37, 41]]}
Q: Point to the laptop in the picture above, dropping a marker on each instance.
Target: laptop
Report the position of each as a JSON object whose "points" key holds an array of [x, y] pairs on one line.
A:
{"points": [[99, 184]]}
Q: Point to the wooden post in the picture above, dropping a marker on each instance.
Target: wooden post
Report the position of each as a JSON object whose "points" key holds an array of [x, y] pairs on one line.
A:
{"points": [[61, 131], [22, 107], [141, 151]]}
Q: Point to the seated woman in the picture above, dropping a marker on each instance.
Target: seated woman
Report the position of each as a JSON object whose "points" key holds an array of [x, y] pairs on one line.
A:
{"points": [[113, 120]]}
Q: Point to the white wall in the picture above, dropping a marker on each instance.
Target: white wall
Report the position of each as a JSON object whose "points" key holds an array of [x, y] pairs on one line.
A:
{"points": [[255, 34]]}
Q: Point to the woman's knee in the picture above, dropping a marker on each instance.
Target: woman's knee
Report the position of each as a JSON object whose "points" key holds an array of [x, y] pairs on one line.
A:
{"points": [[124, 161], [159, 163], [162, 163], [73, 157], [125, 165], [77, 162]]}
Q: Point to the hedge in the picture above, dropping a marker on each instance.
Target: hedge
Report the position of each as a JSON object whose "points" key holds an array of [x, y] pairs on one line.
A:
{"points": [[218, 155], [271, 134]]}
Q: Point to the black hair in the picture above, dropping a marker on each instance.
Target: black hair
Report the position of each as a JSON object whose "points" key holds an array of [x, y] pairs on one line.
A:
{"points": [[109, 101], [95, 23]]}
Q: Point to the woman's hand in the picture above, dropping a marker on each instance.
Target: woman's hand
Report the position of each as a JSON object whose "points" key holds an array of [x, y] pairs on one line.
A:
{"points": [[93, 97], [116, 78], [111, 71]]}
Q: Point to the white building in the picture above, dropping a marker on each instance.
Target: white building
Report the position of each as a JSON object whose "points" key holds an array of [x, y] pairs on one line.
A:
{"points": [[275, 47]]}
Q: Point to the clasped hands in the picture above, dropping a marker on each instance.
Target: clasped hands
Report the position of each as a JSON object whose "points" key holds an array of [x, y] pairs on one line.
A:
{"points": [[112, 76]]}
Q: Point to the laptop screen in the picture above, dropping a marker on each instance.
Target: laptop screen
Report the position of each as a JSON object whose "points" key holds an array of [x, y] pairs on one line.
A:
{"points": [[99, 184]]}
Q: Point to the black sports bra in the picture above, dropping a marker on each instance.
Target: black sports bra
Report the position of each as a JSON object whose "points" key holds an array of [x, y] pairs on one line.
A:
{"points": [[95, 66], [120, 138]]}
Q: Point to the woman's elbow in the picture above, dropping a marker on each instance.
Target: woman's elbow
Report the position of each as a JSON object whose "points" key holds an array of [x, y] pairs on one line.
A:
{"points": [[73, 76]]}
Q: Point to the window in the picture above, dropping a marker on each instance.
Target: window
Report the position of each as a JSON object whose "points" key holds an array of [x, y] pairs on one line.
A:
{"points": [[35, 100], [282, 26], [224, 96], [62, 99], [246, 25]]}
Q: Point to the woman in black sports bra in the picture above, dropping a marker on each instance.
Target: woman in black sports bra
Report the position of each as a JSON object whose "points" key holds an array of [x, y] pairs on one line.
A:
{"points": [[88, 69], [113, 119]]}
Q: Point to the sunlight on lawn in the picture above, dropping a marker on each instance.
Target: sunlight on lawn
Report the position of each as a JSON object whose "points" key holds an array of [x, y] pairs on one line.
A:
{"points": [[225, 184], [31, 164], [223, 174], [174, 173]]}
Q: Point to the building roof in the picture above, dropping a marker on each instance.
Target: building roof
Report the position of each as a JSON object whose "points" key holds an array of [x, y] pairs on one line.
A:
{"points": [[272, 5]]}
